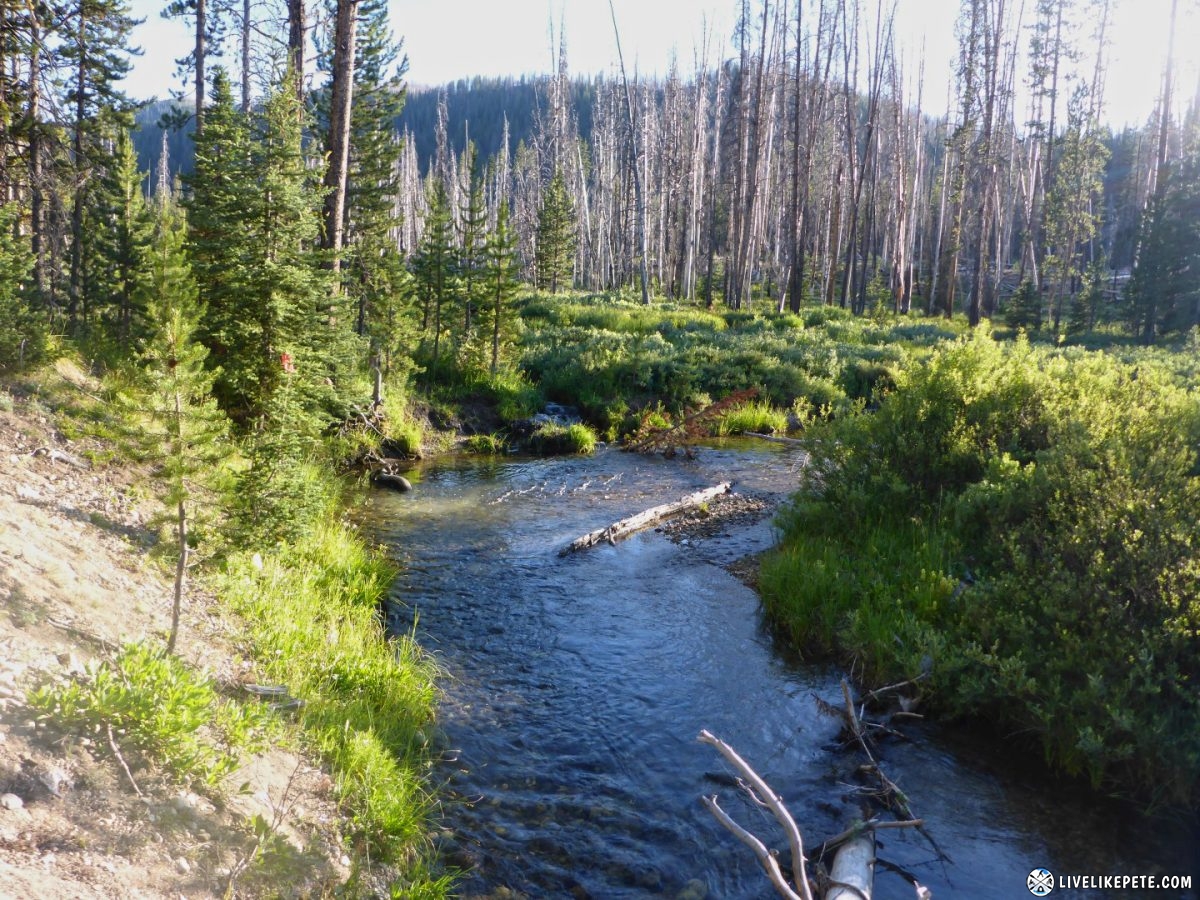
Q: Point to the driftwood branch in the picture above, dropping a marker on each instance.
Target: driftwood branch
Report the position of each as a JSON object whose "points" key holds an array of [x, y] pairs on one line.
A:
{"points": [[853, 870], [774, 802], [864, 828], [61, 456], [765, 857], [625, 527], [889, 792]]}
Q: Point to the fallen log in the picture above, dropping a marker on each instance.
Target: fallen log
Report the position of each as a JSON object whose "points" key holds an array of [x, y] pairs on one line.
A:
{"points": [[625, 527], [791, 442]]}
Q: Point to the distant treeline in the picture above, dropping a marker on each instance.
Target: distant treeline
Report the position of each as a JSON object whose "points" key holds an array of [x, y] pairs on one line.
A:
{"points": [[477, 109]]}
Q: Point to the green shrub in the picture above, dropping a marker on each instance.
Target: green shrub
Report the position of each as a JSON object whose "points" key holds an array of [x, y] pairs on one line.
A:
{"points": [[550, 439], [156, 707], [1026, 520], [862, 379]]}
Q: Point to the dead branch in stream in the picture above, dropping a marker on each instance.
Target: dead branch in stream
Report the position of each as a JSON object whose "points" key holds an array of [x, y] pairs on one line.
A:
{"points": [[762, 795], [887, 792], [850, 875], [625, 527]]}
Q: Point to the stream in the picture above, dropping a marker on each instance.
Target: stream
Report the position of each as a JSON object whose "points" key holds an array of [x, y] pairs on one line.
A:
{"points": [[575, 687]]}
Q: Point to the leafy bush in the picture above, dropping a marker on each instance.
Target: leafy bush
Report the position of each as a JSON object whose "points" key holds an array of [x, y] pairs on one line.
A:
{"points": [[155, 706], [1024, 522]]}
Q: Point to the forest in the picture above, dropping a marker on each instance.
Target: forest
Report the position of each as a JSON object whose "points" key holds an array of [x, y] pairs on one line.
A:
{"points": [[977, 306]]}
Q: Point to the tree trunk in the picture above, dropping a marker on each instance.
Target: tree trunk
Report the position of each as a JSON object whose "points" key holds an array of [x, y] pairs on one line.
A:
{"points": [[36, 197], [201, 28], [246, 31], [338, 142], [181, 531], [638, 187], [296, 28], [625, 527]]}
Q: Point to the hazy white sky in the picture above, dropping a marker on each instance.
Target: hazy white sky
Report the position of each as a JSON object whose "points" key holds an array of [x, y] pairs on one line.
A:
{"points": [[454, 39]]}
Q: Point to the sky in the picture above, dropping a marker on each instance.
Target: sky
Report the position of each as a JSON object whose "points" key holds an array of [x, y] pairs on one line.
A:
{"points": [[450, 39]]}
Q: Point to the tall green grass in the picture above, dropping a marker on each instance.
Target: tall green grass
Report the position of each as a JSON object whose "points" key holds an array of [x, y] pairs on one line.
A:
{"points": [[755, 416], [312, 615]]}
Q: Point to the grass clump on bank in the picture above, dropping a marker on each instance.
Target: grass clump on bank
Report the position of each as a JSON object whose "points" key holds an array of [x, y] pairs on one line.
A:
{"points": [[551, 439], [485, 444], [1022, 525], [755, 416]]}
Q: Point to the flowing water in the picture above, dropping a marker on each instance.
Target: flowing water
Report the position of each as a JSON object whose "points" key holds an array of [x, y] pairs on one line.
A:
{"points": [[575, 688]]}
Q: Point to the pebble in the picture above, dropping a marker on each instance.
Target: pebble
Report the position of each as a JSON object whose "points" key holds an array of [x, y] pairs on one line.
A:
{"points": [[345, 861], [11, 801], [183, 866]]}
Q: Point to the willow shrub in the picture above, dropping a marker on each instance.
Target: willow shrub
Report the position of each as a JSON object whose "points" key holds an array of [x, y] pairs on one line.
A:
{"points": [[1025, 525]]}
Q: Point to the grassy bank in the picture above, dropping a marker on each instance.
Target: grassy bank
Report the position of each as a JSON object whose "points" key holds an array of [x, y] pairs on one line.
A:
{"points": [[311, 614], [1019, 525]]}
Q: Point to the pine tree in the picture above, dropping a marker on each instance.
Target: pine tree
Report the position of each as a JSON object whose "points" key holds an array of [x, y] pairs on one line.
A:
{"points": [[22, 331], [1164, 293], [555, 256], [298, 314], [220, 205], [503, 268], [374, 272], [472, 232], [96, 52], [171, 416], [435, 268], [254, 215], [1085, 304], [1025, 307], [122, 226]]}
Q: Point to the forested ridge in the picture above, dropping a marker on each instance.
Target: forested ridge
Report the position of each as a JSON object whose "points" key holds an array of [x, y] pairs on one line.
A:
{"points": [[978, 303]]}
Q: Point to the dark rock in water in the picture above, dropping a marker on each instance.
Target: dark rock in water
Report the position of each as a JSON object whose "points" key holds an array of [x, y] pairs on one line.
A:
{"points": [[396, 482]]}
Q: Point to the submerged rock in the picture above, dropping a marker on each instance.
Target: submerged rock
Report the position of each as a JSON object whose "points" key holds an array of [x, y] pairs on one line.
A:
{"points": [[390, 480]]}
